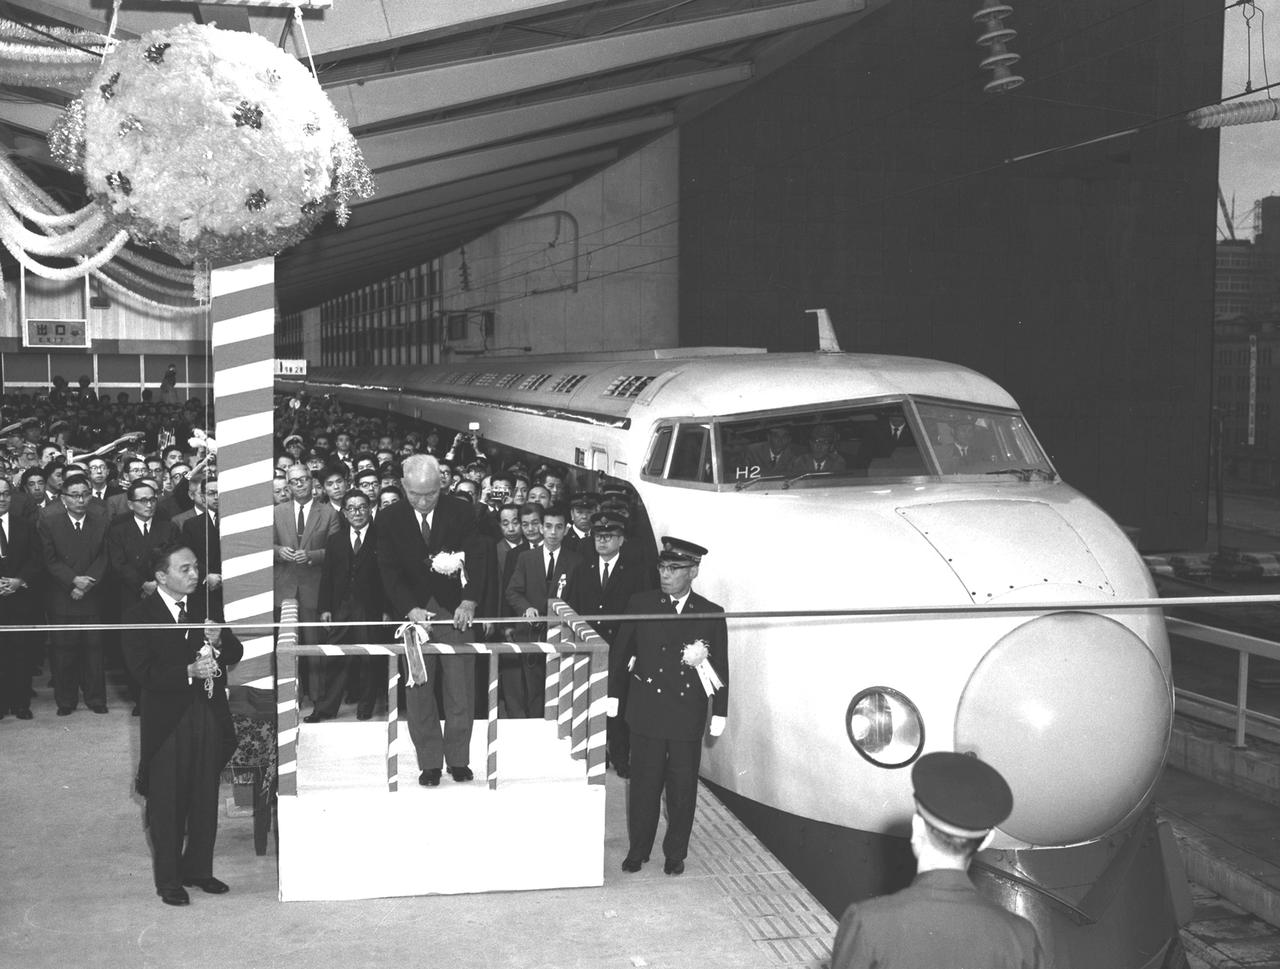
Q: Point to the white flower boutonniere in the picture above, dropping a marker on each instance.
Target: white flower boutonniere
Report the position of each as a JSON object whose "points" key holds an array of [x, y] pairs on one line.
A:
{"points": [[697, 656], [449, 563]]}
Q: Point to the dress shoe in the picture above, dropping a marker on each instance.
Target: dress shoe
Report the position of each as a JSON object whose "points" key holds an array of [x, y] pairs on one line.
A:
{"points": [[66, 711], [210, 885], [137, 710], [461, 774], [314, 717], [364, 714], [100, 708], [430, 778], [673, 867], [174, 896], [24, 714], [631, 864], [623, 770]]}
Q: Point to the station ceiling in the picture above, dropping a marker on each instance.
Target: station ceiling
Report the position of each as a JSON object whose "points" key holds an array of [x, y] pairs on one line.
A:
{"points": [[470, 113]]}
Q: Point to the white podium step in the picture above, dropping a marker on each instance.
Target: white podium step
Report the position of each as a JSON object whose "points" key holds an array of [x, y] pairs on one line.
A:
{"points": [[346, 836]]}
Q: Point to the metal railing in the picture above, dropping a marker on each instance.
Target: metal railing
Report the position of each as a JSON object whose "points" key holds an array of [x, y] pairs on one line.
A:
{"points": [[576, 680], [1237, 715]]}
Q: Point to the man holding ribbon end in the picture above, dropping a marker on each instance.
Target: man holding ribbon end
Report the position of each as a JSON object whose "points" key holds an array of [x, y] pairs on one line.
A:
{"points": [[940, 920], [187, 732], [668, 670], [433, 558]]}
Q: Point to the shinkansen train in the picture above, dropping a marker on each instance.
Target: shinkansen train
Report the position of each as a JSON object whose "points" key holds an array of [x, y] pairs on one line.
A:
{"points": [[828, 482]]}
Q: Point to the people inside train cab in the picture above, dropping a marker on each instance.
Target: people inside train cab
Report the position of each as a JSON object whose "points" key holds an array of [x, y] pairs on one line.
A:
{"points": [[822, 456], [774, 455], [940, 919]]}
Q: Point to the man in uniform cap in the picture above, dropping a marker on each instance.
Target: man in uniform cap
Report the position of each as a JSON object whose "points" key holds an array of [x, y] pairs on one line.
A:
{"points": [[940, 920], [605, 586], [667, 688], [581, 508]]}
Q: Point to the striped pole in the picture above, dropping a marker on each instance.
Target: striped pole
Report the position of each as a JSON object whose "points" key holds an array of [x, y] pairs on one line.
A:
{"points": [[287, 704], [578, 726], [393, 725], [551, 685], [491, 764], [597, 708], [243, 333]]}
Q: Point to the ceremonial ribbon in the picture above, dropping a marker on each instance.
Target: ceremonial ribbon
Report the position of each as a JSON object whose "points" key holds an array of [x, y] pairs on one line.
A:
{"points": [[414, 635]]}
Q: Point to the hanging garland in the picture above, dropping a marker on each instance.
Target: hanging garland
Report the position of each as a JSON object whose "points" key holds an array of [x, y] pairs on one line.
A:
{"points": [[212, 145]]}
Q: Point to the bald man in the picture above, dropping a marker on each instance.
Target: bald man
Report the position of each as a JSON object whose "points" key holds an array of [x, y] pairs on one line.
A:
{"points": [[411, 534]]}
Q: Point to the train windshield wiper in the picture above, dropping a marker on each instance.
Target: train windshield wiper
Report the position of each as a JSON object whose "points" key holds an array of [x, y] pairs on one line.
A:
{"points": [[1026, 474], [743, 485]]}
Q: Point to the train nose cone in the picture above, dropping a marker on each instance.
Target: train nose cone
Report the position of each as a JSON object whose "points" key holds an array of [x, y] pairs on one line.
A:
{"points": [[1074, 711]]}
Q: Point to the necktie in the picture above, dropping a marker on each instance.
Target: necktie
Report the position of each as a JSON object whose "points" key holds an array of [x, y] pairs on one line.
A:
{"points": [[4, 541], [79, 522], [213, 520], [426, 532], [182, 611], [604, 579], [551, 567], [355, 547], [302, 522], [146, 529]]}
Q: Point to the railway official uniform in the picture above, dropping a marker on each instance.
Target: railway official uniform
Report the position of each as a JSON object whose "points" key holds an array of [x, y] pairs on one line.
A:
{"points": [[940, 921], [667, 703]]}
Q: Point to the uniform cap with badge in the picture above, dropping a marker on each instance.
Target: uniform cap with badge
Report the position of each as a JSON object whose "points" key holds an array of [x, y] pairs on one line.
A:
{"points": [[604, 523], [677, 551], [587, 499], [959, 794]]}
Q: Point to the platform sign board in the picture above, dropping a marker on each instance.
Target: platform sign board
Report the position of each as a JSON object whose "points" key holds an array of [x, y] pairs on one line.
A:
{"points": [[291, 368], [56, 334]]}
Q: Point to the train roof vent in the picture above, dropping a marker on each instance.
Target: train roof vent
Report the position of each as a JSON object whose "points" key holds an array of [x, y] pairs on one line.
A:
{"points": [[486, 379], [629, 386], [507, 379], [458, 376], [567, 384], [534, 381]]}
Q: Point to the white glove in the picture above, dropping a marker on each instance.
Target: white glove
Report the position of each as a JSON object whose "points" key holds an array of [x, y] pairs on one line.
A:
{"points": [[717, 726], [611, 707]]}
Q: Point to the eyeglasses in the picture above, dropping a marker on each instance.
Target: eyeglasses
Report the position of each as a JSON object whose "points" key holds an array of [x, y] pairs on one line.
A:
{"points": [[146, 501], [77, 495], [669, 567]]}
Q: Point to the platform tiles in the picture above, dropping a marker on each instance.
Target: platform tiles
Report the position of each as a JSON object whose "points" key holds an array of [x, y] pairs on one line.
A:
{"points": [[432, 833]]}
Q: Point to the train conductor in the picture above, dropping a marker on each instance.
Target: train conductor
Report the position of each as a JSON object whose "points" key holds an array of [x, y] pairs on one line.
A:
{"points": [[669, 669], [187, 732], [940, 920]]}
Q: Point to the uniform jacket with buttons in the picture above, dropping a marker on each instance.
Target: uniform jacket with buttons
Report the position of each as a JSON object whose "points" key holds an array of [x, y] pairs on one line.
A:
{"points": [[665, 698]]}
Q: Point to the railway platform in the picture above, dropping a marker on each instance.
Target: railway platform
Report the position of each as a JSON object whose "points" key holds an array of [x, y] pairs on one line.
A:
{"points": [[78, 887]]}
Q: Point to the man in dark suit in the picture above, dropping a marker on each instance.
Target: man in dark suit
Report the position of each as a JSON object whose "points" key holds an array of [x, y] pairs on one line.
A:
{"points": [[507, 550], [582, 508], [940, 919], [772, 456], [21, 564], [605, 583], [130, 541], [187, 732], [540, 573], [350, 595], [200, 534], [667, 701], [75, 558], [414, 537]]}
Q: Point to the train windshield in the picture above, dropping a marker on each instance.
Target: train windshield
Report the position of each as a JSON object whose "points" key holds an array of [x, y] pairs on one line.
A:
{"points": [[891, 440]]}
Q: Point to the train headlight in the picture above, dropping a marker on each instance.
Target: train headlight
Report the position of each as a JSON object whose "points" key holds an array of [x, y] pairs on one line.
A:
{"points": [[885, 727]]}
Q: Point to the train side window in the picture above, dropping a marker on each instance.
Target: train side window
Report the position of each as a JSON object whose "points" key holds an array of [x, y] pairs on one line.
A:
{"points": [[656, 462], [691, 457]]}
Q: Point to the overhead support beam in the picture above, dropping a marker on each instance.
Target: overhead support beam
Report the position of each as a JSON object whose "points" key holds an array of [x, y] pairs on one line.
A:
{"points": [[419, 143], [385, 98], [477, 187], [373, 233], [400, 180], [346, 29]]}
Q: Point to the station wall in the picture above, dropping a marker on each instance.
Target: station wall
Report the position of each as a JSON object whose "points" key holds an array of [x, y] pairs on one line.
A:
{"points": [[871, 177]]}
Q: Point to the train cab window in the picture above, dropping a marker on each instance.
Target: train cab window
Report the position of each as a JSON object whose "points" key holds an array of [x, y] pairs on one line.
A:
{"points": [[691, 456], [970, 440], [656, 462]]}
